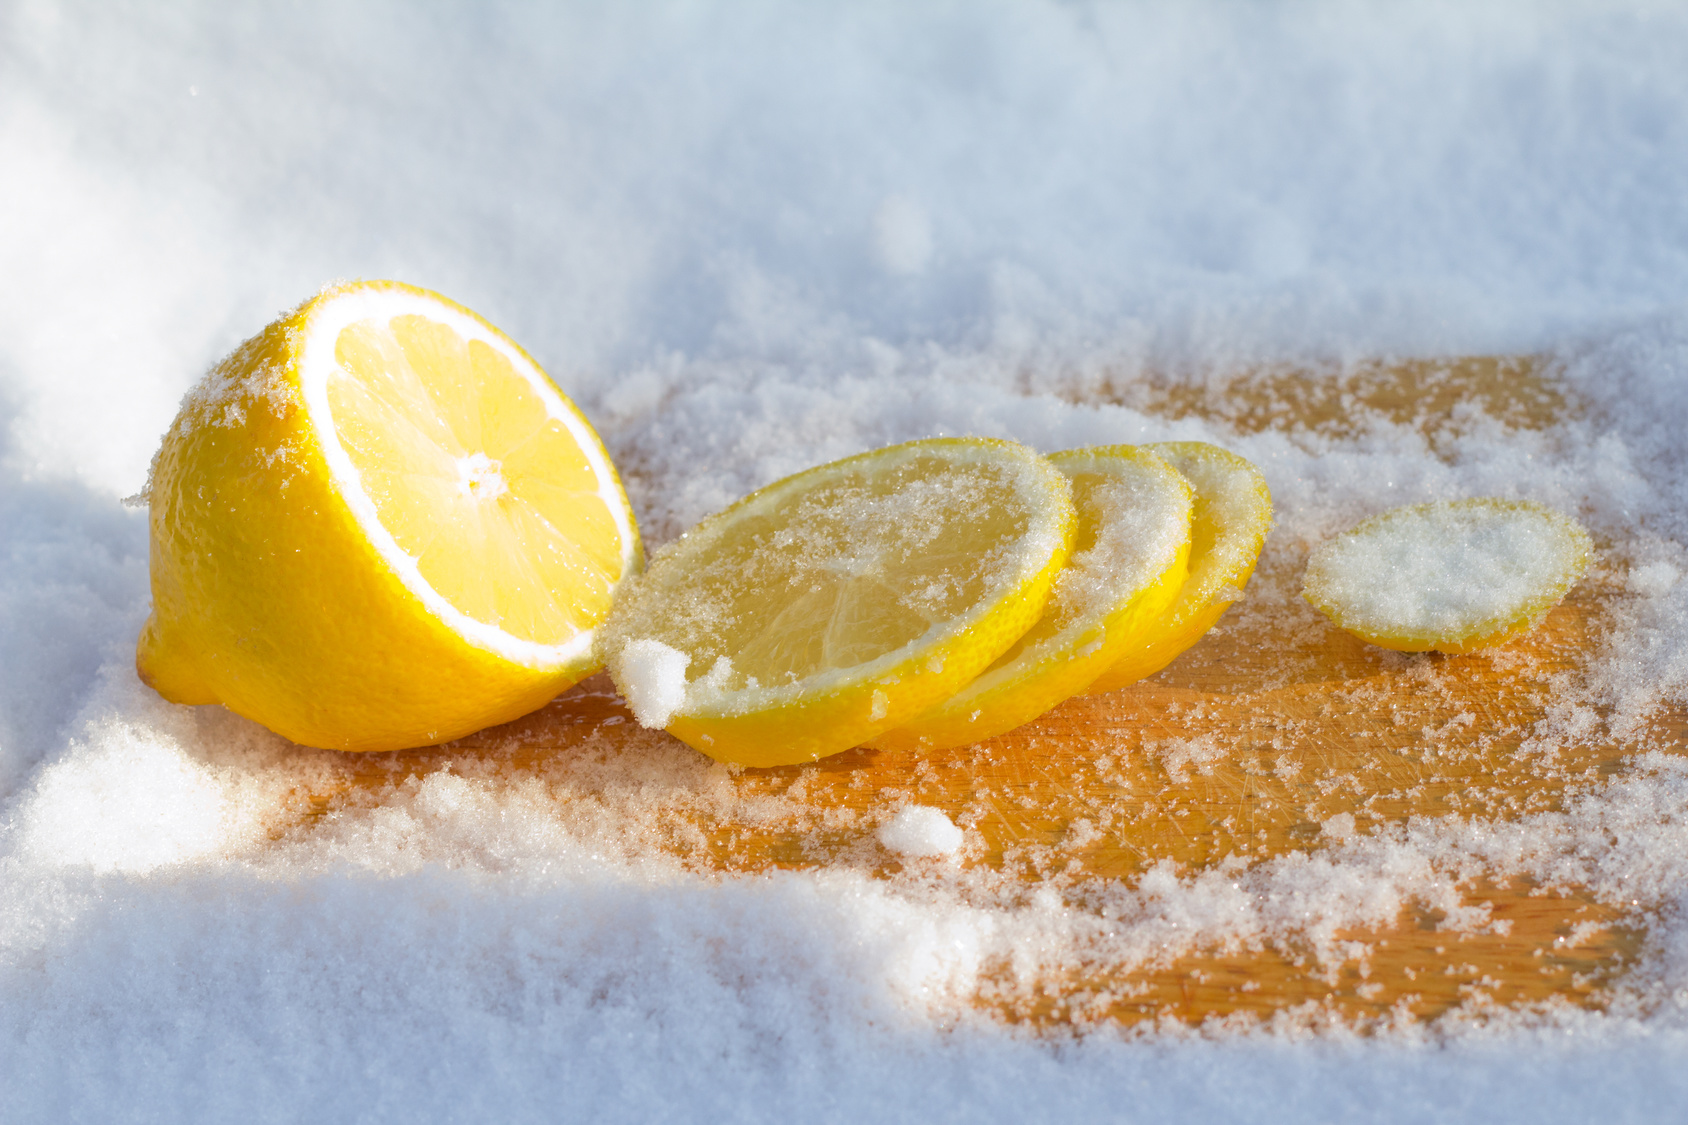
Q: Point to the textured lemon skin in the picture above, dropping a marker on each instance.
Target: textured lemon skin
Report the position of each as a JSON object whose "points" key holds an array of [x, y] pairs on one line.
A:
{"points": [[1190, 617], [1059, 676], [1152, 653], [817, 724], [268, 597], [1485, 634]]}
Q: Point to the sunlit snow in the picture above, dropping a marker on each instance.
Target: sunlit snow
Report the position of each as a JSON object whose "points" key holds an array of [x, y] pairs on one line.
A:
{"points": [[747, 239]]}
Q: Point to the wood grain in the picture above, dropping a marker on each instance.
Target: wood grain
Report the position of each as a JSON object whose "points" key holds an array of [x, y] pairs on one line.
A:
{"points": [[1253, 745]]}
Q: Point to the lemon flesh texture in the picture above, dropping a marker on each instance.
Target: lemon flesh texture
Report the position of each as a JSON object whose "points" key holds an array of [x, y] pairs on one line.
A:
{"points": [[845, 600], [1230, 515], [1453, 576], [1129, 562], [378, 524]]}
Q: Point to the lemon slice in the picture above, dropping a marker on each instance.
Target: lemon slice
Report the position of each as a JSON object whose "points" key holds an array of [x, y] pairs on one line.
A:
{"points": [[1454, 576], [1129, 562], [843, 601], [379, 524], [1229, 519]]}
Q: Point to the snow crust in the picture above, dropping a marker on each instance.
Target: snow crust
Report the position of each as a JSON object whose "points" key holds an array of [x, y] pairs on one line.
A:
{"points": [[746, 240]]}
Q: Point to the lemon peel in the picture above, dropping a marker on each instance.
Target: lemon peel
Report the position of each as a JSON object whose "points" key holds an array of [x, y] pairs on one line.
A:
{"points": [[1231, 513], [1452, 576], [379, 524], [844, 600], [1129, 562]]}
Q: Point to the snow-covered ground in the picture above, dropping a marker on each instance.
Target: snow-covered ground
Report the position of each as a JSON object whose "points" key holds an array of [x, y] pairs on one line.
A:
{"points": [[746, 238]]}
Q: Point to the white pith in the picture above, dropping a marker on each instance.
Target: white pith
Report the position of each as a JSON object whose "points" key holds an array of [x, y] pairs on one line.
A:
{"points": [[481, 477], [479, 473]]}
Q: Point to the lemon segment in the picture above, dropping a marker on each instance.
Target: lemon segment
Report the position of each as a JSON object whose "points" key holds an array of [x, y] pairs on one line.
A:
{"points": [[379, 524], [473, 478], [1453, 576], [843, 601], [1129, 561], [1230, 515]]}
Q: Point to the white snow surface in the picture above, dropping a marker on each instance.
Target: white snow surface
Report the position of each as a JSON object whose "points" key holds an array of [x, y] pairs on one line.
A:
{"points": [[747, 238]]}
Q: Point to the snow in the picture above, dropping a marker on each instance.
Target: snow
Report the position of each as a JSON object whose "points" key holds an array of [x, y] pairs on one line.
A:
{"points": [[652, 678], [920, 831], [902, 236], [1447, 573], [748, 239]]}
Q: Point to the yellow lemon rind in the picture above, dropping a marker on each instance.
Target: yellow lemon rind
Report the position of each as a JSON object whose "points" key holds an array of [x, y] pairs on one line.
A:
{"points": [[1222, 560], [248, 516]]}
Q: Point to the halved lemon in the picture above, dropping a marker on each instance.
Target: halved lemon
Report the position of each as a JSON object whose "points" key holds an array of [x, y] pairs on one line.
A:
{"points": [[843, 601], [1129, 562], [379, 524], [1454, 576], [1230, 516]]}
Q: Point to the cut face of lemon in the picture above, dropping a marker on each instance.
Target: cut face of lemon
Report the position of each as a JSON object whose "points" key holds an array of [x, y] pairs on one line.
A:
{"points": [[1451, 576], [1129, 562], [1231, 513], [843, 601], [379, 524], [472, 475]]}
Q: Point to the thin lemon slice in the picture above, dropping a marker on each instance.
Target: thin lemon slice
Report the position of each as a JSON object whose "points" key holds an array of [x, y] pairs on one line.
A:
{"points": [[843, 601], [379, 524], [1129, 562], [1229, 519], [1454, 576]]}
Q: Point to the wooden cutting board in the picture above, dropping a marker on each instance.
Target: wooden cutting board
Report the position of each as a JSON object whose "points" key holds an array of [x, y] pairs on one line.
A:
{"points": [[1244, 748]]}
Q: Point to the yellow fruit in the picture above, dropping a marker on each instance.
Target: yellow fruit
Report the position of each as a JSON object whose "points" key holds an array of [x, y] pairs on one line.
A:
{"points": [[1230, 517], [1454, 576], [1129, 562], [843, 601], [378, 524]]}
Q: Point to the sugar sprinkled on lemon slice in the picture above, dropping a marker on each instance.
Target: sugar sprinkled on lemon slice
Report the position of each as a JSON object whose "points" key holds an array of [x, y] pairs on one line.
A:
{"points": [[1129, 562], [1231, 513], [379, 524], [843, 601], [1454, 576]]}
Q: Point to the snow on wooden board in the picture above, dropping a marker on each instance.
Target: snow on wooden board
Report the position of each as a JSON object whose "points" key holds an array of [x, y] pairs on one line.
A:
{"points": [[1286, 822]]}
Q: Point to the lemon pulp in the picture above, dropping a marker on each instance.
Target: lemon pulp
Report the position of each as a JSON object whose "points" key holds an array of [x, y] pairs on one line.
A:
{"points": [[844, 600], [473, 478]]}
